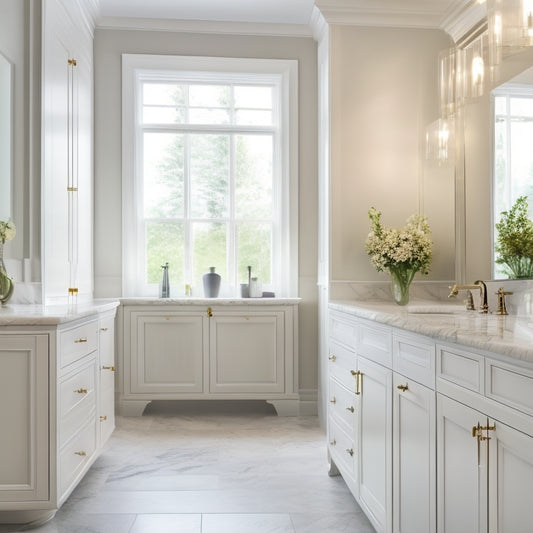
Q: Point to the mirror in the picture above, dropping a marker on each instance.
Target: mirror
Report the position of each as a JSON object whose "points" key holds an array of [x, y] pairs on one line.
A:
{"points": [[6, 137]]}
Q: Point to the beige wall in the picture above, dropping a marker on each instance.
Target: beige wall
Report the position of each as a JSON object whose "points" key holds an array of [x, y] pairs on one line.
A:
{"points": [[384, 93], [109, 45]]}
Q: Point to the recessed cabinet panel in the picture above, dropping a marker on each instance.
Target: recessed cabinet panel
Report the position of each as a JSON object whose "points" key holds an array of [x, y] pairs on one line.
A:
{"points": [[343, 329], [246, 353], [343, 450], [375, 342], [460, 368], [414, 358], [342, 365], [343, 405], [167, 353]]}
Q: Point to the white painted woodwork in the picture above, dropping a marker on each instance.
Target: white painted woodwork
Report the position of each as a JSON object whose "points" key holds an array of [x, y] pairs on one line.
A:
{"points": [[375, 343], [414, 358], [461, 475], [173, 352], [462, 368], [414, 457], [24, 404], [106, 371], [375, 443]]}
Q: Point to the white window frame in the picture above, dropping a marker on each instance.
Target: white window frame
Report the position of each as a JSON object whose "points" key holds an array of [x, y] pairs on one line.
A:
{"points": [[285, 268]]}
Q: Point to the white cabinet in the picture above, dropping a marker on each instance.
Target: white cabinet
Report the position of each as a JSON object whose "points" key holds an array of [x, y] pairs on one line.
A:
{"points": [[196, 351], [106, 370]]}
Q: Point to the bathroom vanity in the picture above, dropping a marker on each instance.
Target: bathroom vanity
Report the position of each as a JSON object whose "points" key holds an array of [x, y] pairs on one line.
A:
{"points": [[430, 417], [208, 348], [56, 402]]}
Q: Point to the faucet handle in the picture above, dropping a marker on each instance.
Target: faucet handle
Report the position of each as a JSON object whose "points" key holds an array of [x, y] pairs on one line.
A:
{"points": [[502, 309]]}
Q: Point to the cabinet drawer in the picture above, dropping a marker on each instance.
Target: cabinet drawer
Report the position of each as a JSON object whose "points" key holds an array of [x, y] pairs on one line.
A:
{"points": [[342, 364], [106, 346], [77, 401], [509, 385], [414, 359], [375, 343], [461, 368], [76, 455], [342, 448], [343, 406], [77, 342], [343, 329]]}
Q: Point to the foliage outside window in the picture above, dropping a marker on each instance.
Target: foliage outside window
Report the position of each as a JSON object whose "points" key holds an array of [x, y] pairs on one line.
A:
{"points": [[211, 186]]}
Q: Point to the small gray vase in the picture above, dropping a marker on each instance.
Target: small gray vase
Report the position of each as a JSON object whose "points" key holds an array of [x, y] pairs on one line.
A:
{"points": [[211, 282]]}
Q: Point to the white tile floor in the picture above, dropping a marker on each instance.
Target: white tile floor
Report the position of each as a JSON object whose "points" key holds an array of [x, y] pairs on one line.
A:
{"points": [[222, 467]]}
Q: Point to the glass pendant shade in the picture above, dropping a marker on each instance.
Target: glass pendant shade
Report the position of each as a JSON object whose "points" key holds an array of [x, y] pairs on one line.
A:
{"points": [[475, 66], [440, 141], [447, 82], [510, 25]]}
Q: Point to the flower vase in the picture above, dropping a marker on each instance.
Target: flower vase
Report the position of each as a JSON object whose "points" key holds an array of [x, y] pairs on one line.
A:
{"points": [[7, 285], [211, 282], [401, 279]]}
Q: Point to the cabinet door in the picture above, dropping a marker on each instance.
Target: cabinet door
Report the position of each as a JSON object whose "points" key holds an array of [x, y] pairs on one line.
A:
{"points": [[167, 352], [247, 352], [24, 445], [461, 469], [106, 401], [414, 461], [510, 479], [375, 443]]}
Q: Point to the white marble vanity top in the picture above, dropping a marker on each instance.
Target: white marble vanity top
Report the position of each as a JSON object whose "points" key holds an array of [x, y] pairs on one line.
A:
{"points": [[209, 301], [509, 335], [43, 315]]}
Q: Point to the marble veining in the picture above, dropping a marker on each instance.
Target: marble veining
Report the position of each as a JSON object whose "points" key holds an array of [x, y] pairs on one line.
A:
{"points": [[209, 301], [511, 336]]}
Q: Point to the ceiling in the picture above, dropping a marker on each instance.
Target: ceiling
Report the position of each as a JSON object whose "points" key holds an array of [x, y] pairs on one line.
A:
{"points": [[429, 13]]}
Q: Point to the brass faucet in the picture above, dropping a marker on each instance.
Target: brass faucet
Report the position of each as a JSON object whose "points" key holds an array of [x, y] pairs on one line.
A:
{"points": [[484, 308], [502, 309]]}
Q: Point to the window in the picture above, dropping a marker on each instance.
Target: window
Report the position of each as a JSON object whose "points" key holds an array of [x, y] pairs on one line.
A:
{"points": [[209, 173]]}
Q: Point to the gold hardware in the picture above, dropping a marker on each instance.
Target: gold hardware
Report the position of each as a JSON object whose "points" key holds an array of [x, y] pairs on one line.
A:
{"points": [[484, 308], [81, 391], [102, 418], [403, 388], [72, 189], [73, 290], [334, 400], [81, 339], [209, 312], [83, 454], [332, 358], [333, 442], [351, 409], [112, 368], [103, 329], [358, 380], [350, 451], [477, 433], [502, 309], [72, 62]]}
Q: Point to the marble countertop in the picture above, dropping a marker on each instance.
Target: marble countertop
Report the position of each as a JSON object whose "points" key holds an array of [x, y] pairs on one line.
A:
{"points": [[509, 335], [209, 301], [52, 315]]}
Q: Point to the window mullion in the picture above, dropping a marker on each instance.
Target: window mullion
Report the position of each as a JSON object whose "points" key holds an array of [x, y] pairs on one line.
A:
{"points": [[187, 230]]}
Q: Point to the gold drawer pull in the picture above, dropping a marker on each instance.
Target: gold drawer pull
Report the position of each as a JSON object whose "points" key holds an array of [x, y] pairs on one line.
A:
{"points": [[103, 329], [332, 358], [334, 400], [403, 388], [333, 442], [83, 454], [81, 391], [103, 418], [82, 339], [351, 409], [350, 451], [112, 368]]}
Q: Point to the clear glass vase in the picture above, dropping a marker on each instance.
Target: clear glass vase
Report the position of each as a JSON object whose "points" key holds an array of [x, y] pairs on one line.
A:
{"points": [[7, 285], [401, 278]]}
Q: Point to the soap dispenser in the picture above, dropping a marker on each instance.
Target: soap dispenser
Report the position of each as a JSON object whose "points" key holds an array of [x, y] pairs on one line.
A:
{"points": [[165, 286]]}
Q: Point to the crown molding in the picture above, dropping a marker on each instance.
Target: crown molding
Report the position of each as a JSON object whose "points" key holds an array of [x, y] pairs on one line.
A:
{"points": [[464, 16], [204, 26], [318, 24]]}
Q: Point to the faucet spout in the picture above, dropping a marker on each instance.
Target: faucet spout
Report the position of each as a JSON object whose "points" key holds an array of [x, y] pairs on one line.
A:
{"points": [[483, 288], [479, 284]]}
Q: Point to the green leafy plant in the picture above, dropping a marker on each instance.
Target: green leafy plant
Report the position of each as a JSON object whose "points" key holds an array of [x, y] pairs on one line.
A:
{"points": [[514, 243]]}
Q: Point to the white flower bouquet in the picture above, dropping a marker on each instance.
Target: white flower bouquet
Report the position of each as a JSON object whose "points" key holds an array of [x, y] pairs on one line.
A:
{"points": [[7, 230]]}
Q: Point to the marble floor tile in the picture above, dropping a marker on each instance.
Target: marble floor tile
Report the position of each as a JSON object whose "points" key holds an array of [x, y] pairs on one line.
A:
{"points": [[210, 467]]}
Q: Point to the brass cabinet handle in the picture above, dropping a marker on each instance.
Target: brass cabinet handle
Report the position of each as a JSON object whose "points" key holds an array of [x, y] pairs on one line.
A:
{"points": [[333, 442], [82, 339], [351, 409], [350, 451], [103, 329], [358, 379], [334, 400], [83, 454], [103, 418], [81, 391], [209, 312], [403, 388], [112, 368], [332, 358]]}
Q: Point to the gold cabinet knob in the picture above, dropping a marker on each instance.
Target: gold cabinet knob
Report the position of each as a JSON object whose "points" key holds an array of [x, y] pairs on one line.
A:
{"points": [[103, 329], [350, 451], [81, 391], [333, 442], [333, 400], [112, 368], [403, 388], [82, 339], [103, 418], [82, 454], [351, 409], [332, 358]]}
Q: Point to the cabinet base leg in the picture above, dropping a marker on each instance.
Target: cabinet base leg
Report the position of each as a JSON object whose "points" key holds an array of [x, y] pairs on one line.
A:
{"points": [[333, 470], [132, 407], [30, 519], [286, 407]]}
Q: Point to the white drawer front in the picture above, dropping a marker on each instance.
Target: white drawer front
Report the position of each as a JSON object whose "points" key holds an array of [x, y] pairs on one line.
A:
{"points": [[342, 448], [509, 385], [343, 405], [343, 329], [342, 365], [414, 358], [461, 368], [76, 454], [77, 342], [375, 343]]}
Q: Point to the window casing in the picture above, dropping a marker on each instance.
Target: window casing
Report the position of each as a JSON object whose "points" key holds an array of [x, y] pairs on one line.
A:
{"points": [[229, 171]]}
